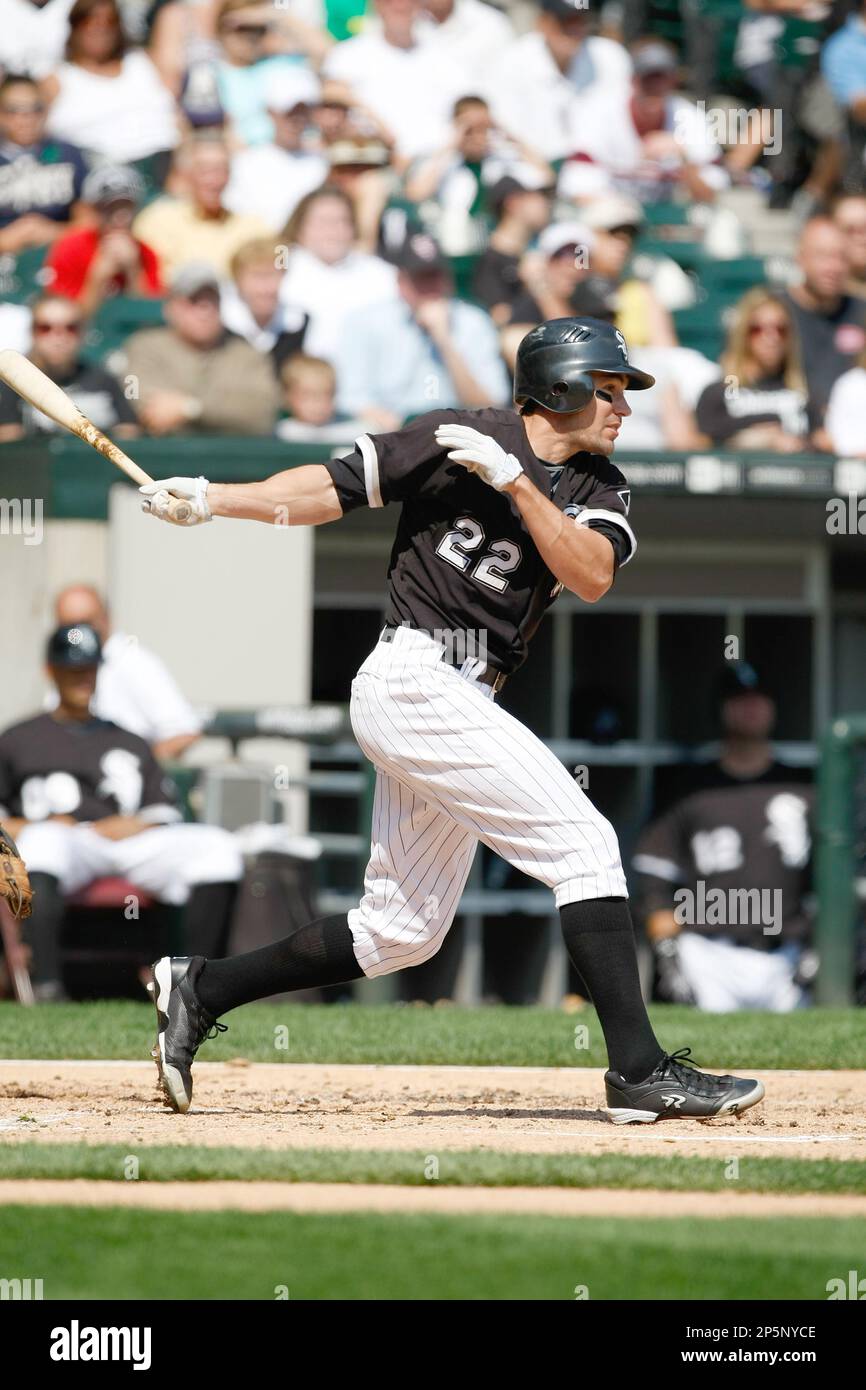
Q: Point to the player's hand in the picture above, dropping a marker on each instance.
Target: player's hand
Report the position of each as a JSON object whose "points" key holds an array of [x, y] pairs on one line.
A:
{"points": [[157, 499], [480, 454], [119, 827], [674, 984]]}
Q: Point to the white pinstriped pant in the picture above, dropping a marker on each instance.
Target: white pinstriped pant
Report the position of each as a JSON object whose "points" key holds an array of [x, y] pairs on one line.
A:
{"points": [[454, 768]]}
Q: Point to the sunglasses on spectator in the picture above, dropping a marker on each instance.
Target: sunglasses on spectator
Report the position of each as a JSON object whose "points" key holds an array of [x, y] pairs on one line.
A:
{"points": [[780, 330], [43, 326], [21, 108], [252, 31]]}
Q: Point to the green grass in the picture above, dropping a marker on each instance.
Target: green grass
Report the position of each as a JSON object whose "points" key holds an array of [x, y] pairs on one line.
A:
{"points": [[825, 1038], [467, 1168], [116, 1253]]}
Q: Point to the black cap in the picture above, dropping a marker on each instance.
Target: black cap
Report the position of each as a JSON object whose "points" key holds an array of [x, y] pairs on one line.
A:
{"points": [[740, 678], [566, 9], [76, 645], [507, 185], [420, 254]]}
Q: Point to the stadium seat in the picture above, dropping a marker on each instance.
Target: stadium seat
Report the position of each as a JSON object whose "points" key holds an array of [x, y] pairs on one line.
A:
{"points": [[103, 950], [21, 276], [116, 321]]}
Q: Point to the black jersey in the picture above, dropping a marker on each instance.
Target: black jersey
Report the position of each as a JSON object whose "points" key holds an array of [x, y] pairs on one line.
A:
{"points": [[87, 771], [463, 560], [732, 833]]}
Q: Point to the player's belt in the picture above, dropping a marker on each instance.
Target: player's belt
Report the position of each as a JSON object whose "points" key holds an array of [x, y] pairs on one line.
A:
{"points": [[487, 675]]}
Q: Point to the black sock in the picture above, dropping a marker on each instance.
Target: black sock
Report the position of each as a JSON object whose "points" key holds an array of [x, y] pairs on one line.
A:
{"points": [[207, 918], [600, 939], [316, 955], [41, 931]]}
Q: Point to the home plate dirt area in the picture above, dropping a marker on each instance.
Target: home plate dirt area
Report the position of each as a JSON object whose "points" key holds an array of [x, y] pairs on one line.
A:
{"points": [[805, 1114]]}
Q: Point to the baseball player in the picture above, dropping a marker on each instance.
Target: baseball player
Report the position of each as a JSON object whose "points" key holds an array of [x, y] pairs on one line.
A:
{"points": [[86, 799], [500, 510], [726, 868]]}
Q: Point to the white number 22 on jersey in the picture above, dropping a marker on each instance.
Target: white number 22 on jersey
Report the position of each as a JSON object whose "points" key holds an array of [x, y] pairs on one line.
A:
{"points": [[502, 556]]}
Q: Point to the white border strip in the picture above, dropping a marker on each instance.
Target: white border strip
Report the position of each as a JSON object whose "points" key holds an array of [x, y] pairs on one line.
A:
{"points": [[367, 450]]}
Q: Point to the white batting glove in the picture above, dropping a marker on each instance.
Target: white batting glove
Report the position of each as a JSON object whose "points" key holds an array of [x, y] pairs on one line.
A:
{"points": [[480, 454], [181, 501]]}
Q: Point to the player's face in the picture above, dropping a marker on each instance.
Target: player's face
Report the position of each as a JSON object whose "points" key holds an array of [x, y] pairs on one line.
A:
{"points": [[598, 424], [750, 715], [75, 687]]}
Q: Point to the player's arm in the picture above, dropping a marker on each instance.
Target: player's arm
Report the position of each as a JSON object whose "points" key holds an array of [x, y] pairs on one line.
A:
{"points": [[582, 560], [302, 496]]}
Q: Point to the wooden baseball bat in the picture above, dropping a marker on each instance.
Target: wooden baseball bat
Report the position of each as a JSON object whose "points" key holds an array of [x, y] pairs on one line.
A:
{"points": [[28, 381]]}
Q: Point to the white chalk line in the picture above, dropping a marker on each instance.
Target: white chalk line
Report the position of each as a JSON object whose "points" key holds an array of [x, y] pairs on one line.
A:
{"points": [[694, 1137]]}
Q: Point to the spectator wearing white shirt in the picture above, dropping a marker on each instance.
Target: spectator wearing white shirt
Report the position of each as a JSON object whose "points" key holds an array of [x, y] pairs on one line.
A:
{"points": [[269, 180], [326, 276], [468, 32], [134, 689], [650, 141], [107, 98], [461, 177], [424, 350], [409, 85], [536, 84], [250, 304], [845, 421], [666, 420]]}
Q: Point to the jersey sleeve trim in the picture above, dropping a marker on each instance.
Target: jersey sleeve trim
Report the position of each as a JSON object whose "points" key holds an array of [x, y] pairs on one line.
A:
{"points": [[367, 450], [591, 514], [655, 867], [161, 814]]}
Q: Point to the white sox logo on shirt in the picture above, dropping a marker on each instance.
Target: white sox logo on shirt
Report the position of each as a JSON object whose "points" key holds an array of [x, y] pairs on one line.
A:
{"points": [[59, 794], [788, 827], [121, 779]]}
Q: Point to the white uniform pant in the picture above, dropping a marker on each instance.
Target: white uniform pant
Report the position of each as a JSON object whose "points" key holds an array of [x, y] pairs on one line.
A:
{"points": [[454, 768], [166, 861], [725, 976]]}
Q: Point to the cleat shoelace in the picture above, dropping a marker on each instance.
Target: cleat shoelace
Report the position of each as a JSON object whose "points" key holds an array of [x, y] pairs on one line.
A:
{"points": [[679, 1065], [208, 1028]]}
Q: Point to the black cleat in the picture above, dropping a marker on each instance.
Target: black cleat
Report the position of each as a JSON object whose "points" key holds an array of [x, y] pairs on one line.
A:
{"points": [[677, 1090], [182, 1025]]}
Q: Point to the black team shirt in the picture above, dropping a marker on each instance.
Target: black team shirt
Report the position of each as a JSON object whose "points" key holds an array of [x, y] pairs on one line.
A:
{"points": [[463, 558]]}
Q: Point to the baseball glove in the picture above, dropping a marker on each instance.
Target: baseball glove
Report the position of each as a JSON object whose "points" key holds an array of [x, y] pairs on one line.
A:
{"points": [[14, 881]]}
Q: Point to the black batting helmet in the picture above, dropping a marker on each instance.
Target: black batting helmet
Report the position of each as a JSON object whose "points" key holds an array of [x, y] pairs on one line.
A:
{"points": [[554, 362]]}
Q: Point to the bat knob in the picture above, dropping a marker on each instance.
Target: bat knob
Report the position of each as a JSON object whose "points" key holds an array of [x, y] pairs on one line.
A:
{"points": [[180, 512]]}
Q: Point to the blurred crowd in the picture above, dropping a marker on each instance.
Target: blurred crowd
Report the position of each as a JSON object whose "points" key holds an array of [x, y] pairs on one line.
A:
{"points": [[314, 217]]}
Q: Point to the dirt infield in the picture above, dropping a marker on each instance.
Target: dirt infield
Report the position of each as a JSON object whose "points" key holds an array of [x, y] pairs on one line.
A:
{"points": [[335, 1197], [508, 1109]]}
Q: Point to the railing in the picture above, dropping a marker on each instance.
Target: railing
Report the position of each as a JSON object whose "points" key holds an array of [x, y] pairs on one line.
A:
{"points": [[74, 480]]}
